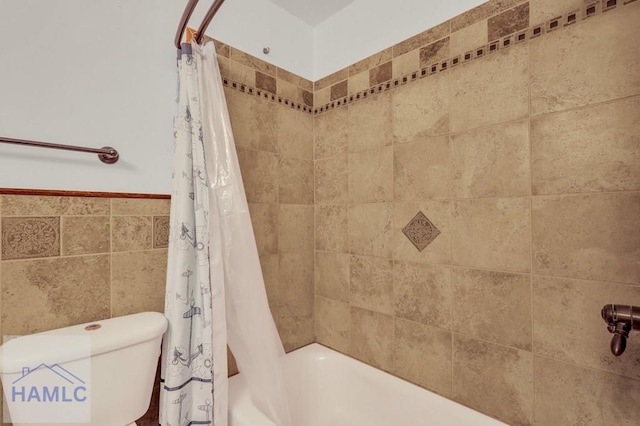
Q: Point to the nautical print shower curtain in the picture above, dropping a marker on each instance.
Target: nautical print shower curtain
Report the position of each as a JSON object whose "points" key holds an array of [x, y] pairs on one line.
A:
{"points": [[193, 362], [215, 290]]}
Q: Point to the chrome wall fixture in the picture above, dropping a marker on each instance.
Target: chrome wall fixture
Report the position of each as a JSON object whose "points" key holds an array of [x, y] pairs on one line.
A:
{"points": [[620, 319]]}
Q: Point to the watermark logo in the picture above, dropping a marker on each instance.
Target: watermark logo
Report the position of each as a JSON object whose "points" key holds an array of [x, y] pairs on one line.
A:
{"points": [[57, 392], [59, 385]]}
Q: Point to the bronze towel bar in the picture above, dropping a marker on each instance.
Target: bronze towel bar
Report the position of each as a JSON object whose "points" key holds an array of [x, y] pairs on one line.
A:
{"points": [[106, 154]]}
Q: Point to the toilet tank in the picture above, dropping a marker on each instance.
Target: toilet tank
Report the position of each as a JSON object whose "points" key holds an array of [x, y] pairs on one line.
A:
{"points": [[99, 374]]}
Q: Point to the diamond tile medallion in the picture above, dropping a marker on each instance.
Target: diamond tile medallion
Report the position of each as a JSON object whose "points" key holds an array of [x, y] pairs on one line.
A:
{"points": [[420, 231]]}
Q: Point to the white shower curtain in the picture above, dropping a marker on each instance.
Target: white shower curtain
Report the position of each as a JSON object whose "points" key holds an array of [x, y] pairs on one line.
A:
{"points": [[215, 291]]}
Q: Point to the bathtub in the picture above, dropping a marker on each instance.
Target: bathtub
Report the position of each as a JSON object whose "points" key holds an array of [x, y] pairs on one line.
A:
{"points": [[326, 388]]}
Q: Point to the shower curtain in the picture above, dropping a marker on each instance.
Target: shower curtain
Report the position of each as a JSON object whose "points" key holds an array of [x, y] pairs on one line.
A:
{"points": [[215, 292]]}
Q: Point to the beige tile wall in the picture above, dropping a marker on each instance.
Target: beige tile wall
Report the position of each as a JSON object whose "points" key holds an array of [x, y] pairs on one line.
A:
{"points": [[68, 260], [275, 150], [270, 111], [258, 77], [526, 161]]}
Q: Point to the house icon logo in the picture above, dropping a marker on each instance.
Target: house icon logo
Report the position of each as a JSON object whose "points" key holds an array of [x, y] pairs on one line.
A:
{"points": [[47, 379], [48, 384]]}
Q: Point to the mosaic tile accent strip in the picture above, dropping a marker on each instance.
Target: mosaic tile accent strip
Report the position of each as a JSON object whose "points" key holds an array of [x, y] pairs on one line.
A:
{"points": [[420, 231], [572, 17], [160, 232], [30, 237], [249, 90], [433, 51]]}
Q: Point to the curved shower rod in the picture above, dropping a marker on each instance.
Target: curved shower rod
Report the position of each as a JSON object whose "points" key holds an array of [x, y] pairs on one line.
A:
{"points": [[186, 15]]}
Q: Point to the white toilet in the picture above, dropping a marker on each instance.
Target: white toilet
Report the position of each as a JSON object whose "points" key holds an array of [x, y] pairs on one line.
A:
{"points": [[97, 374]]}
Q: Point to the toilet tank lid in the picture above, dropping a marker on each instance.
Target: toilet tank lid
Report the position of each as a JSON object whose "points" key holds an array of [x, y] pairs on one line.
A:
{"points": [[63, 345]]}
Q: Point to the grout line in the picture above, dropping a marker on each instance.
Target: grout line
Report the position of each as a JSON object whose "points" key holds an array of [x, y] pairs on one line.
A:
{"points": [[531, 249], [480, 268], [27, 216], [450, 218], [502, 123], [348, 247], [488, 126], [392, 220], [443, 200], [111, 216], [70, 256], [452, 361], [585, 367], [489, 342], [582, 107], [1, 289], [313, 189], [635, 285]]}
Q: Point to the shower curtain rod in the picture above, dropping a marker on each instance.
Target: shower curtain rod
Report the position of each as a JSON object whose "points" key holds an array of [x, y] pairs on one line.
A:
{"points": [[106, 154], [186, 15]]}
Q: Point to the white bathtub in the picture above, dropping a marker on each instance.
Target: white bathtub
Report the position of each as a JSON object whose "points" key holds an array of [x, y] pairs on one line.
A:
{"points": [[326, 388]]}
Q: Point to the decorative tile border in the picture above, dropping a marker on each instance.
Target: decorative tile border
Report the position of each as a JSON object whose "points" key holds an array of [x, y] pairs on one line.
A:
{"points": [[266, 79], [58, 226], [590, 9], [250, 90], [254, 76]]}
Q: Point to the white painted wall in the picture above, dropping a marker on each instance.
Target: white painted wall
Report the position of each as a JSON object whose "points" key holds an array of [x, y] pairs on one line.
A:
{"points": [[88, 73], [366, 27], [251, 25], [96, 73], [311, 11]]}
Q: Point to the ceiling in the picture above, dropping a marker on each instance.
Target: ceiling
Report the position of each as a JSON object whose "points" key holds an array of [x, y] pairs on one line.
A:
{"points": [[313, 12]]}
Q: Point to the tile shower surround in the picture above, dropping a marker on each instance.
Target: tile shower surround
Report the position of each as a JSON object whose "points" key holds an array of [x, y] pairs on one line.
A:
{"points": [[497, 23], [377, 296], [512, 141]]}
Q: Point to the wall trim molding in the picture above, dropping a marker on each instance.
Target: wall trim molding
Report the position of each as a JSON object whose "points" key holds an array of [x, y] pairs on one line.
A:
{"points": [[94, 194]]}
